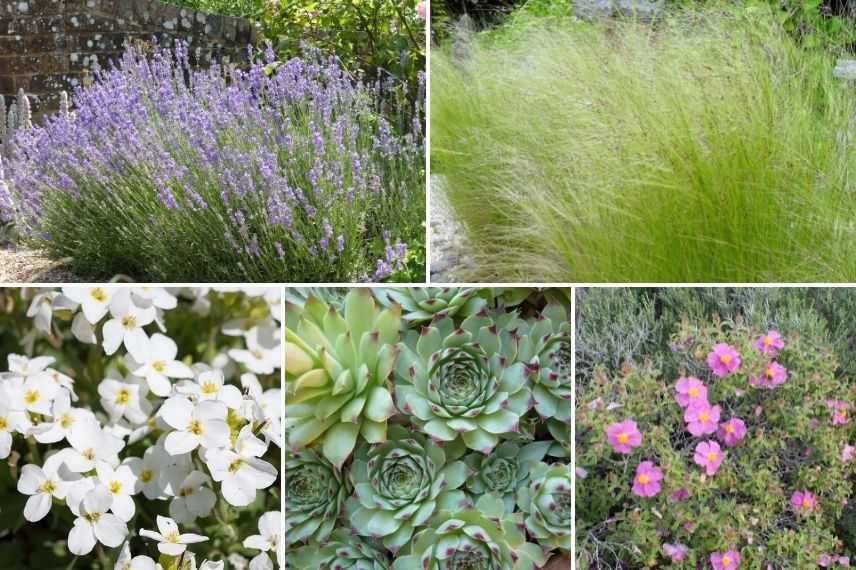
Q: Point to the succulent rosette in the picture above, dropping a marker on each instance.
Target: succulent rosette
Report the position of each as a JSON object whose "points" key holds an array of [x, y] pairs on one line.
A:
{"points": [[545, 347], [400, 484], [548, 504], [420, 304], [337, 373], [343, 551], [315, 493], [503, 471], [464, 382], [480, 538]]}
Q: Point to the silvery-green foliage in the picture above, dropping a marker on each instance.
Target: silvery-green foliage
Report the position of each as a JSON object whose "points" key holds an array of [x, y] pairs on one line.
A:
{"points": [[315, 493], [503, 471], [421, 304], [343, 550], [548, 504]]}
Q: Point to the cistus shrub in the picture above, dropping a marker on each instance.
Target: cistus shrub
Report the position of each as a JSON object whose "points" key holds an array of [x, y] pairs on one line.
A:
{"points": [[709, 146], [284, 171], [466, 465], [740, 459]]}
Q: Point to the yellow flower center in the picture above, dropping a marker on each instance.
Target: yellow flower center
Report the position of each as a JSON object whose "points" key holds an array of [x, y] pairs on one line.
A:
{"points": [[129, 322], [235, 465], [725, 358], [704, 416], [623, 437], [693, 392], [31, 396], [768, 340], [770, 372], [65, 421], [89, 454], [185, 491], [711, 456], [93, 517], [3, 423], [115, 487], [729, 428], [257, 354], [806, 502], [47, 487], [726, 560], [195, 427], [644, 479], [159, 366], [171, 536], [123, 396], [146, 475], [98, 294], [209, 388]]}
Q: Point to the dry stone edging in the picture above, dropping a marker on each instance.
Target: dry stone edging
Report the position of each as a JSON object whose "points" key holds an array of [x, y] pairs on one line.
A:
{"points": [[450, 257]]}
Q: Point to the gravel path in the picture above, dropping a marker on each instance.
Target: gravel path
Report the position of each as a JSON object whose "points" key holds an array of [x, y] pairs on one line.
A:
{"points": [[450, 262], [24, 266]]}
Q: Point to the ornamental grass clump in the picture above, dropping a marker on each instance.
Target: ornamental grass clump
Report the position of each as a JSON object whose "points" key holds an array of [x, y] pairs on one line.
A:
{"points": [[708, 146], [708, 467], [283, 171]]}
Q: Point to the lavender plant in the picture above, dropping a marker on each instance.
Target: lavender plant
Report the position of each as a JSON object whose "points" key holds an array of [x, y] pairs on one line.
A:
{"points": [[283, 171]]}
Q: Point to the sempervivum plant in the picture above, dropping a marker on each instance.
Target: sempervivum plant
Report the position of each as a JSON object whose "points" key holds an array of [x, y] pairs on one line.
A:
{"points": [[462, 382], [315, 493], [546, 349], [474, 539], [503, 471], [337, 373], [548, 504], [343, 551], [400, 484], [421, 304]]}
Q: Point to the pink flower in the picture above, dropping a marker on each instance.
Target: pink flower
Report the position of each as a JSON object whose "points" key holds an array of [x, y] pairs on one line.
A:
{"points": [[803, 501], [732, 431], [723, 359], [726, 560], [676, 551], [623, 436], [839, 412], [774, 375], [646, 483], [847, 453], [421, 10], [701, 418], [770, 343], [825, 560], [681, 494], [689, 390], [708, 455]]}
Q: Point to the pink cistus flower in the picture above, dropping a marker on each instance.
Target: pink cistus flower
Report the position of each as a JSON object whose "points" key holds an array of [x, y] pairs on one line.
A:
{"points": [[803, 502], [723, 359], [689, 390], [702, 418], [732, 431], [623, 436], [677, 552], [770, 344], [774, 375], [708, 455], [646, 482], [421, 10], [839, 412], [728, 560], [681, 494], [847, 453]]}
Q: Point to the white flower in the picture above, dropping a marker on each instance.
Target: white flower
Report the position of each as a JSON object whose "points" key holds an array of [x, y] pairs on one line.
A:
{"points": [[241, 472], [94, 523], [42, 484], [125, 562], [41, 310], [63, 418], [123, 399], [193, 499], [170, 542], [264, 350], [94, 301], [122, 484], [209, 385], [91, 445], [154, 296], [269, 539], [157, 364], [37, 394], [11, 421], [21, 366], [201, 424], [160, 474], [83, 330], [127, 324]]}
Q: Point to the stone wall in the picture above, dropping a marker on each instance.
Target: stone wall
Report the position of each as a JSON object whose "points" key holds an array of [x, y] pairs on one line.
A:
{"points": [[49, 46]]}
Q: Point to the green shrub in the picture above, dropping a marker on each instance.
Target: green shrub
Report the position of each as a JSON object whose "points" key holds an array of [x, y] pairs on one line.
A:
{"points": [[791, 445], [709, 148]]}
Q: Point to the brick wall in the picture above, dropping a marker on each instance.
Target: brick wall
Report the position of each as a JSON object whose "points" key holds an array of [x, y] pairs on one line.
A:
{"points": [[47, 46]]}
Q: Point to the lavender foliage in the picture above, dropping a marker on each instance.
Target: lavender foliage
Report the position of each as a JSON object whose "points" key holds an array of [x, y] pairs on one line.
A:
{"points": [[284, 171]]}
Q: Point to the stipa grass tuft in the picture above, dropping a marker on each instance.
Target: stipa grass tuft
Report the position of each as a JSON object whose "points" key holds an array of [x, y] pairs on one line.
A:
{"points": [[285, 171], [707, 147]]}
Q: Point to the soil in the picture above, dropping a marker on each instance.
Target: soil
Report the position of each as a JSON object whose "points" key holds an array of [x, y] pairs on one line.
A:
{"points": [[26, 266]]}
